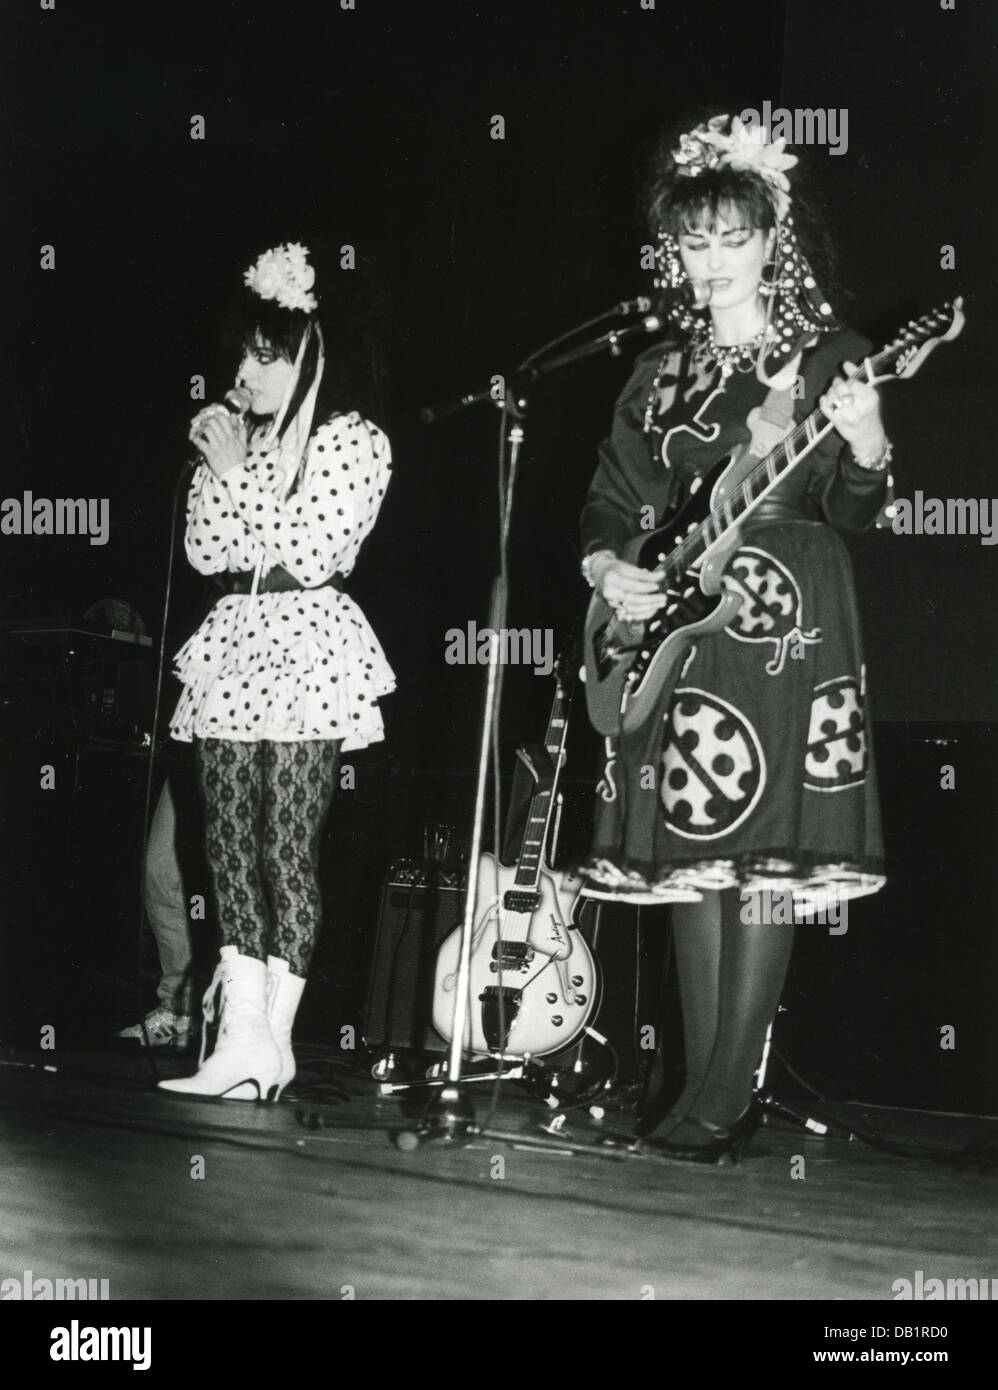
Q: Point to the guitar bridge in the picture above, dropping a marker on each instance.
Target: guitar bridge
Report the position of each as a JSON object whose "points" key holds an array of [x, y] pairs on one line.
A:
{"points": [[511, 955]]}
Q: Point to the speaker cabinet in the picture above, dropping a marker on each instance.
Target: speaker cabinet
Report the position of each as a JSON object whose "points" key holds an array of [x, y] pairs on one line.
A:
{"points": [[421, 904]]}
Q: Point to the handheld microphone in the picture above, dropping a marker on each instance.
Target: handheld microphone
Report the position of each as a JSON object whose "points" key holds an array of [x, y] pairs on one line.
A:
{"points": [[237, 402]]}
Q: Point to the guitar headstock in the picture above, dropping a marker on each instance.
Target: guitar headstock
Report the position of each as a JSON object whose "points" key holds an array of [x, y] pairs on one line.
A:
{"points": [[902, 358]]}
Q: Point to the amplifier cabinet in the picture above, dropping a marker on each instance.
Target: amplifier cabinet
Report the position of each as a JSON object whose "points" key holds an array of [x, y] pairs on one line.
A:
{"points": [[421, 904]]}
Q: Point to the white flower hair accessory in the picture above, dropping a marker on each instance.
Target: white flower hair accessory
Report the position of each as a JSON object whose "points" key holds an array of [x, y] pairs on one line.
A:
{"points": [[743, 147], [284, 274]]}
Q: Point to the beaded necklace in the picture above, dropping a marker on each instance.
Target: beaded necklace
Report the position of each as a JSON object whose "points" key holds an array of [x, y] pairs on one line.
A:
{"points": [[730, 357], [707, 356]]}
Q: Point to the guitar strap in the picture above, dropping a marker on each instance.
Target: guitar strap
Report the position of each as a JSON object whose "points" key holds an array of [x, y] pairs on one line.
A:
{"points": [[666, 382], [768, 423], [772, 421]]}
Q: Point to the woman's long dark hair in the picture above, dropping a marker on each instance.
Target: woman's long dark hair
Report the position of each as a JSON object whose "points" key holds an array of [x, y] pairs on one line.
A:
{"points": [[353, 315]]}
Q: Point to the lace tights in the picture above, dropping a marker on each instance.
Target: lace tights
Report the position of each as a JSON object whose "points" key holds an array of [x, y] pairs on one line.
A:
{"points": [[265, 806]]}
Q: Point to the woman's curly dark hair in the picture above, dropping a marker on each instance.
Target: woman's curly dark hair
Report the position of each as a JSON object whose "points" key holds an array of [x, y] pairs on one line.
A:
{"points": [[679, 203]]}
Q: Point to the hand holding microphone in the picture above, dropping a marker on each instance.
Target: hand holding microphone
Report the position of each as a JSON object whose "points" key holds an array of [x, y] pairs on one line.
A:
{"points": [[219, 432]]}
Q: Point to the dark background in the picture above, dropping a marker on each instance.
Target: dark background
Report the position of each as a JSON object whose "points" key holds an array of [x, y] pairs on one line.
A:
{"points": [[371, 127]]}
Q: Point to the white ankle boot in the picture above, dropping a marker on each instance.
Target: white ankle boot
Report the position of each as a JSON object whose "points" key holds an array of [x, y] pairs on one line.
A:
{"points": [[246, 1063], [285, 995]]}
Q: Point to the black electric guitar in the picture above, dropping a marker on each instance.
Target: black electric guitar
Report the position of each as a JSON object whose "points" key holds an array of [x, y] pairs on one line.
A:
{"points": [[627, 664], [533, 980]]}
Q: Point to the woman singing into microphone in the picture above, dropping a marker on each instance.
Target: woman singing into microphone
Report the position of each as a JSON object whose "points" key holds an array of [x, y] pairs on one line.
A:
{"points": [[751, 782], [285, 672]]}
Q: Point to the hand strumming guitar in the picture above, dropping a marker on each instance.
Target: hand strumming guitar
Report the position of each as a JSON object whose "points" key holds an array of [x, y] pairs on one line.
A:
{"points": [[633, 593]]}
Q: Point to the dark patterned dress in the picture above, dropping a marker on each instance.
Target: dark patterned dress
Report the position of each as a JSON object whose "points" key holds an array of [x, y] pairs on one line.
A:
{"points": [[755, 770]]}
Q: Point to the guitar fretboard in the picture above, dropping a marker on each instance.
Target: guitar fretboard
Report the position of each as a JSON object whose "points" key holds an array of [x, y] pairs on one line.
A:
{"points": [[535, 833], [767, 472]]}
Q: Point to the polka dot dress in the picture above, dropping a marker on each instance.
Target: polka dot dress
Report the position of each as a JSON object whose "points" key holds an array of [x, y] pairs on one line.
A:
{"points": [[303, 664]]}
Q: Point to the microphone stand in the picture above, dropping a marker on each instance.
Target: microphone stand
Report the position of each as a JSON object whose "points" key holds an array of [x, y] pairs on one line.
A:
{"points": [[450, 1115], [534, 367]]}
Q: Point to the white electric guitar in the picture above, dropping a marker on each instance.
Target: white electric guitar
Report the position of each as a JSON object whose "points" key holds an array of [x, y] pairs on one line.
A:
{"points": [[533, 980]]}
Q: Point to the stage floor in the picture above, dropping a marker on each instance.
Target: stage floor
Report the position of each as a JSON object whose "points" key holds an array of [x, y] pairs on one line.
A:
{"points": [[167, 1198]]}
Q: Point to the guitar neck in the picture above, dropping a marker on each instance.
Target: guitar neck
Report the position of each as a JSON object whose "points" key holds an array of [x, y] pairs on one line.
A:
{"points": [[777, 464], [531, 856]]}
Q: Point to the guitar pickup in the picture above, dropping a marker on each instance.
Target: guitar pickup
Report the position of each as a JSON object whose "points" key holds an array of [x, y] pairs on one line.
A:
{"points": [[511, 955], [516, 901]]}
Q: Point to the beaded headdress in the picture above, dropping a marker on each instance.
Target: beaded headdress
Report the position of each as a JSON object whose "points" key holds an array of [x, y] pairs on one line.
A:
{"points": [[796, 308]]}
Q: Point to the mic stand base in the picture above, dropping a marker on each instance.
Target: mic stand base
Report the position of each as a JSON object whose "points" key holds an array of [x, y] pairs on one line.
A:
{"points": [[448, 1119]]}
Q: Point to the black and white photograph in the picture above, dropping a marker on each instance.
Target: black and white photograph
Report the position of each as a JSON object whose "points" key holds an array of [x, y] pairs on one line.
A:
{"points": [[498, 678]]}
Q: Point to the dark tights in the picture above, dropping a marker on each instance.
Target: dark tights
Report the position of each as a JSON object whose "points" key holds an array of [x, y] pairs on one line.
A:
{"points": [[265, 805], [731, 976]]}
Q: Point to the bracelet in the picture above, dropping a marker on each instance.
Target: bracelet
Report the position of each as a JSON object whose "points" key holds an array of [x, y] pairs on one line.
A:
{"points": [[588, 562], [878, 464]]}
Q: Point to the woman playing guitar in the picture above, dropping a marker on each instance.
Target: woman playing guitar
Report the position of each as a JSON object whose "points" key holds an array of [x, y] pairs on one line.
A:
{"points": [[750, 783]]}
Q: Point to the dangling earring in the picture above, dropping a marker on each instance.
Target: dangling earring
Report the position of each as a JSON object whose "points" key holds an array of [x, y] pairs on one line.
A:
{"points": [[671, 275], [768, 282]]}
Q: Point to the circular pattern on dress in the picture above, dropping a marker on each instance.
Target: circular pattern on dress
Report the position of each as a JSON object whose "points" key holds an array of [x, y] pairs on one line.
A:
{"points": [[771, 597], [713, 769], [836, 755]]}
